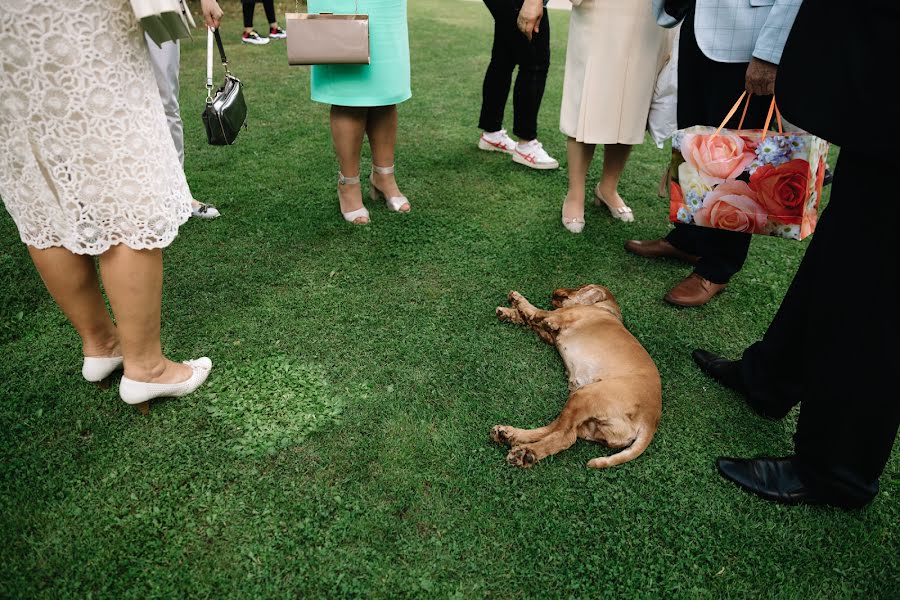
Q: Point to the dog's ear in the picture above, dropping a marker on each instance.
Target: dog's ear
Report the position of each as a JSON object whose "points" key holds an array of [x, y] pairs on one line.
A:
{"points": [[592, 294]]}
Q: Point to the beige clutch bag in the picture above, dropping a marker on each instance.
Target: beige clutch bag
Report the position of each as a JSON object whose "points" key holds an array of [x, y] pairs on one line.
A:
{"points": [[327, 39]]}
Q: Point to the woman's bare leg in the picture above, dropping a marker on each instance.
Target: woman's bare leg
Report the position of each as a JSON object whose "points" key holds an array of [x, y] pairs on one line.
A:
{"points": [[579, 158], [348, 127], [133, 281], [72, 281], [382, 131], [615, 156]]}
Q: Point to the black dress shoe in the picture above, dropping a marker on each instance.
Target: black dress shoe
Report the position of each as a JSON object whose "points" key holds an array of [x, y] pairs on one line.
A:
{"points": [[778, 480], [774, 479], [727, 372]]}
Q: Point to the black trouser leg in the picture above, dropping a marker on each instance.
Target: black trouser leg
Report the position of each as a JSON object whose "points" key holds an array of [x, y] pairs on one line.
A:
{"points": [[534, 63], [830, 346], [498, 77], [510, 49], [248, 13], [269, 6]]}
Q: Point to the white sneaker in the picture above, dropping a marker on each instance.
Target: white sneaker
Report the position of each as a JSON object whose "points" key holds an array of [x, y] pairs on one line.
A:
{"points": [[532, 154], [497, 141], [201, 210], [254, 38]]}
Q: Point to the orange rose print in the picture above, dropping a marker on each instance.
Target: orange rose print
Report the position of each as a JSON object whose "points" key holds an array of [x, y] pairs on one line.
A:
{"points": [[783, 190]]}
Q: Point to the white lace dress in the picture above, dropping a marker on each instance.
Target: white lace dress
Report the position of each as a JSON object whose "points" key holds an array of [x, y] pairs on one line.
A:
{"points": [[86, 159]]}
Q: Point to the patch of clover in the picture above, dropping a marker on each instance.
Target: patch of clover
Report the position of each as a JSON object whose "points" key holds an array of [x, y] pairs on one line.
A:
{"points": [[271, 405]]}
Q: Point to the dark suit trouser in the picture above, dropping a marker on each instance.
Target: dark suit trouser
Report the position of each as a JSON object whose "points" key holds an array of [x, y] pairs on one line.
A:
{"points": [[706, 92], [510, 49], [832, 344]]}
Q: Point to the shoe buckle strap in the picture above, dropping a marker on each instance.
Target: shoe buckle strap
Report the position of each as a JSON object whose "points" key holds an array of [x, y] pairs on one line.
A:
{"points": [[383, 170], [344, 180]]}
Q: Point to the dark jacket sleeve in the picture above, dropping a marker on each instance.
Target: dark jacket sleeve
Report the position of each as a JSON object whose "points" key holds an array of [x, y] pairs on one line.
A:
{"points": [[836, 72]]}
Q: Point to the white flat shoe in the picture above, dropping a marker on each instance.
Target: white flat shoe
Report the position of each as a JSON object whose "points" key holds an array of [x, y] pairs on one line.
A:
{"points": [[573, 224], [353, 215], [623, 213], [394, 203], [97, 369], [140, 393]]}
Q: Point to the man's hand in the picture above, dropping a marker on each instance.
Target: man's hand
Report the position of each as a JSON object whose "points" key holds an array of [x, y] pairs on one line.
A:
{"points": [[530, 16], [760, 78], [212, 14]]}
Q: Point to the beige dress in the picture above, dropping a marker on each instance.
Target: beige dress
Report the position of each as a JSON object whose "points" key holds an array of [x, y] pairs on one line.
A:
{"points": [[615, 52]]}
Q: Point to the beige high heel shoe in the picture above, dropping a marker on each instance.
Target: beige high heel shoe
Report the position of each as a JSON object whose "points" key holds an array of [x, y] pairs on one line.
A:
{"points": [[623, 213], [394, 203], [353, 215], [573, 224]]}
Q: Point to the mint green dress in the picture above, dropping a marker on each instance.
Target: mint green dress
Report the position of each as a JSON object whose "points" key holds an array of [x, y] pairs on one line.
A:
{"points": [[385, 80]]}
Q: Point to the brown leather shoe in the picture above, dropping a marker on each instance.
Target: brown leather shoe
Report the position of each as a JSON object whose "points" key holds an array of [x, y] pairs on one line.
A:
{"points": [[693, 291], [660, 248]]}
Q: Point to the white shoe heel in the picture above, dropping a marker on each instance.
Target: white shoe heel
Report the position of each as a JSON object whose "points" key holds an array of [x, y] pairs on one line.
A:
{"points": [[353, 215], [97, 369], [394, 203], [140, 393]]}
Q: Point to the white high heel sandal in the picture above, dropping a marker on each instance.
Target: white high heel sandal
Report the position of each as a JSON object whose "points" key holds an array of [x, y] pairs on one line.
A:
{"points": [[140, 393], [97, 369], [353, 215], [394, 203]]}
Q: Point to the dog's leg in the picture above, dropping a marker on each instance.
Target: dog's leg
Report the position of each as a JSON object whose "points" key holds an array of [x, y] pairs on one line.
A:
{"points": [[526, 455], [511, 436], [539, 320], [510, 315], [563, 433]]}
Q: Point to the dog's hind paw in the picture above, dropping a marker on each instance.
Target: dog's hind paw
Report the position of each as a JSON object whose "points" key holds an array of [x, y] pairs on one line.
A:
{"points": [[508, 315], [521, 456], [499, 435]]}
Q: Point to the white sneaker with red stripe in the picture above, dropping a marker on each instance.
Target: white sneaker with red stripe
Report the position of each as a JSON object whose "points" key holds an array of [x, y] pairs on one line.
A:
{"points": [[532, 154], [497, 141]]}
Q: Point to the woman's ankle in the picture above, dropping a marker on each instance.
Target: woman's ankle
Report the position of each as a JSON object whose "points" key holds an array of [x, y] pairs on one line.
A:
{"points": [[101, 346]]}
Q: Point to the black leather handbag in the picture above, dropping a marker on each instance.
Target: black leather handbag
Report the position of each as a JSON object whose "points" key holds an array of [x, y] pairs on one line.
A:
{"points": [[226, 111]]}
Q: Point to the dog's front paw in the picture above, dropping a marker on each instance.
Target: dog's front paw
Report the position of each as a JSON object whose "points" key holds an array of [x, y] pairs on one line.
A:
{"points": [[520, 456], [514, 298], [500, 434]]}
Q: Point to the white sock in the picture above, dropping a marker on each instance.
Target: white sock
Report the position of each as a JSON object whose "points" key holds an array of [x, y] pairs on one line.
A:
{"points": [[494, 136]]}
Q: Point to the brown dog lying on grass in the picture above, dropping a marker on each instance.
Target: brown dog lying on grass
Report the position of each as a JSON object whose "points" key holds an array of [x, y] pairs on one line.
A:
{"points": [[615, 393]]}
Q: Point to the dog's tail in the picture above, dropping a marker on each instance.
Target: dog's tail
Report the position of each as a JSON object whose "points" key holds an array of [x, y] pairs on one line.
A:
{"points": [[641, 441]]}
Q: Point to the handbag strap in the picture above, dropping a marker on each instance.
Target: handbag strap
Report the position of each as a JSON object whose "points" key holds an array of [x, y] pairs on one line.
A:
{"points": [[212, 34]]}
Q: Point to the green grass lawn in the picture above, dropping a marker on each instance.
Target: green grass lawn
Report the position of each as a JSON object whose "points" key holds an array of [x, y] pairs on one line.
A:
{"points": [[340, 447]]}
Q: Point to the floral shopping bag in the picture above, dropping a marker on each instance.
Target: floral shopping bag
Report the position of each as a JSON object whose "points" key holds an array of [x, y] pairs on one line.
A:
{"points": [[750, 180]]}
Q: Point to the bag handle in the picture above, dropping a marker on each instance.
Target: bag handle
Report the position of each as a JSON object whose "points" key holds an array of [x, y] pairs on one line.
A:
{"points": [[773, 106], [355, 8]]}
